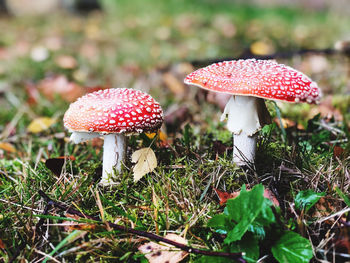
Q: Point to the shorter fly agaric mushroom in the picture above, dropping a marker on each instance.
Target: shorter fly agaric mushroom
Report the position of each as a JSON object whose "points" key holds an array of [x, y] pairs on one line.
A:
{"points": [[250, 82], [112, 114]]}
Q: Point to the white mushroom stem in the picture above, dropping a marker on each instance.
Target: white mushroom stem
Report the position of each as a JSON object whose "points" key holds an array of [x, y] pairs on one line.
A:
{"points": [[113, 155], [248, 144], [245, 116], [113, 152]]}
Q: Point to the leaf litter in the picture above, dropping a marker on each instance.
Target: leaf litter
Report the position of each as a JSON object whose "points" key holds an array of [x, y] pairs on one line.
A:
{"points": [[164, 253], [146, 162]]}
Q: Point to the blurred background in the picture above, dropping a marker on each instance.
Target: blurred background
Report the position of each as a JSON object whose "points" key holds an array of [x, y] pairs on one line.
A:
{"points": [[53, 51]]}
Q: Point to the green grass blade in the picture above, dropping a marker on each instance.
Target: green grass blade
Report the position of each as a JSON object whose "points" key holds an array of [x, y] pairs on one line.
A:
{"points": [[67, 239]]}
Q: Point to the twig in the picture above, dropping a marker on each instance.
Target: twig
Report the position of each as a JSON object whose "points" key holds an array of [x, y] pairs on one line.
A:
{"points": [[63, 207], [341, 212], [343, 255], [19, 205]]}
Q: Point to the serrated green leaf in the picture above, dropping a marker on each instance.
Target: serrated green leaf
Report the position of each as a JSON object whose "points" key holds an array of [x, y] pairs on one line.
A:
{"points": [[266, 216], [307, 199], [243, 210], [292, 248]]}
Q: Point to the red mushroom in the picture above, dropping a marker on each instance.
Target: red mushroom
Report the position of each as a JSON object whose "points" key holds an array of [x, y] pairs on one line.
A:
{"points": [[112, 114], [250, 81]]}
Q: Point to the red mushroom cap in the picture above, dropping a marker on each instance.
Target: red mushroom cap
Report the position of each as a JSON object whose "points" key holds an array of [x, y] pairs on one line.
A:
{"points": [[114, 111], [259, 78]]}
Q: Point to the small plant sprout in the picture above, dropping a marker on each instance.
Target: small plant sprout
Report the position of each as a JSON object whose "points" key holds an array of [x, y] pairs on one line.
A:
{"points": [[250, 82], [112, 114]]}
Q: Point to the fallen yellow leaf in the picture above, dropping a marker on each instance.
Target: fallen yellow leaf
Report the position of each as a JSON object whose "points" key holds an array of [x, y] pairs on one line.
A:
{"points": [[40, 124], [261, 48], [161, 135], [145, 160], [151, 135], [161, 253], [8, 147]]}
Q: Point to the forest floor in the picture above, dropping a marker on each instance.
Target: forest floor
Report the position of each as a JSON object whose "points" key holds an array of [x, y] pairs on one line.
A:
{"points": [[46, 63]]}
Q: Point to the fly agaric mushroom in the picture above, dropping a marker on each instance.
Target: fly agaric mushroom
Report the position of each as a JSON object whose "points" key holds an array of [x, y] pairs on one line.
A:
{"points": [[250, 82], [112, 114]]}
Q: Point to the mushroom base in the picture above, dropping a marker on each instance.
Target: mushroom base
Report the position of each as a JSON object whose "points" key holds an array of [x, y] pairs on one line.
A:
{"points": [[113, 155], [244, 147]]}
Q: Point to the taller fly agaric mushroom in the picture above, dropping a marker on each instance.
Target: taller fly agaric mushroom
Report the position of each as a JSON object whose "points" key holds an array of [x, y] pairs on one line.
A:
{"points": [[250, 82], [112, 114]]}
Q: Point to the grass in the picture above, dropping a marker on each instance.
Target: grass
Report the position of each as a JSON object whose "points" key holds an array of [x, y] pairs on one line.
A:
{"points": [[134, 46]]}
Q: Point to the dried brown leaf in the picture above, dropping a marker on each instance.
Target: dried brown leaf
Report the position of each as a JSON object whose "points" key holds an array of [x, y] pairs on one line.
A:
{"points": [[32, 92], [60, 85], [287, 123], [224, 196], [2, 245], [162, 253], [173, 84], [66, 62]]}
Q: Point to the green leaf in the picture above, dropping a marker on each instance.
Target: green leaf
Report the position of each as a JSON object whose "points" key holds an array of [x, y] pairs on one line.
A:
{"points": [[243, 210], [214, 259], [292, 248], [266, 216], [306, 199], [249, 245], [267, 129], [257, 230], [220, 222]]}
